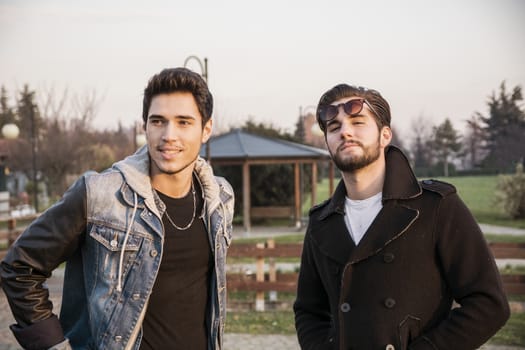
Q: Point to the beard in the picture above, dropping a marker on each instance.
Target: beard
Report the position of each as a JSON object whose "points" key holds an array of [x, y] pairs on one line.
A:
{"points": [[352, 163]]}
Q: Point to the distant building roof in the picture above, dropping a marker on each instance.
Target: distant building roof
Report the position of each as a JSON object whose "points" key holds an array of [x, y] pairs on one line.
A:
{"points": [[239, 144]]}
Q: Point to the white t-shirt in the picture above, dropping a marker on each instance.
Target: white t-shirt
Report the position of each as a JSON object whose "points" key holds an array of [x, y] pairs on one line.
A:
{"points": [[359, 214]]}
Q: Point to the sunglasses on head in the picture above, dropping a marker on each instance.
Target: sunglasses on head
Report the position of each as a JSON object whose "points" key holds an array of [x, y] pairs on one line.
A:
{"points": [[352, 108]]}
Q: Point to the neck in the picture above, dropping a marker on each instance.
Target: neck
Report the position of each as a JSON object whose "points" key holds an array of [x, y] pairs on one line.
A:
{"points": [[366, 182], [173, 185]]}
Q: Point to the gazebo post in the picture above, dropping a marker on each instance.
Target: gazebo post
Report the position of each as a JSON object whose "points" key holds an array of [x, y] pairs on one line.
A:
{"points": [[246, 205], [331, 179], [297, 190], [314, 184]]}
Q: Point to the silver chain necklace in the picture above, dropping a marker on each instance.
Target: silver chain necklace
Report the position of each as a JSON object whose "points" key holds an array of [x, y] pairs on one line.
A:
{"points": [[192, 217]]}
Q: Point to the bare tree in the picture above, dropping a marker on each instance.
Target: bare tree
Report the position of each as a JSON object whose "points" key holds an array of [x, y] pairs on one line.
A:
{"points": [[421, 153], [445, 143]]}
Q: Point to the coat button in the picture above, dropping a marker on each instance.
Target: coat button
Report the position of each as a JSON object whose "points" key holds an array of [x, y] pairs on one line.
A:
{"points": [[388, 257], [390, 303], [153, 253], [118, 338], [390, 347], [345, 307], [135, 296]]}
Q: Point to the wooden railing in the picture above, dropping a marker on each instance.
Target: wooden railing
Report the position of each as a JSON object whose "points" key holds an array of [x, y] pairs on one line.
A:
{"points": [[266, 253], [514, 284], [11, 232]]}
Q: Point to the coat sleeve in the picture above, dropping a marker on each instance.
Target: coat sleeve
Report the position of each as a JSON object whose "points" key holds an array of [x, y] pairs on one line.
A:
{"points": [[313, 320], [46, 243], [471, 276]]}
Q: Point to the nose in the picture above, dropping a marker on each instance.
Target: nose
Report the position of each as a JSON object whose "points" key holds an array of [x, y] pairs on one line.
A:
{"points": [[346, 128], [170, 132]]}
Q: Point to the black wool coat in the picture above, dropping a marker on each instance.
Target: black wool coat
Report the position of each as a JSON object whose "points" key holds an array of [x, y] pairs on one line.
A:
{"points": [[395, 290]]}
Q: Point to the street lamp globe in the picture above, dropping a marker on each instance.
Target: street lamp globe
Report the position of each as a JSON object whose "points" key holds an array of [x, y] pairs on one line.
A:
{"points": [[140, 140], [10, 131], [316, 130]]}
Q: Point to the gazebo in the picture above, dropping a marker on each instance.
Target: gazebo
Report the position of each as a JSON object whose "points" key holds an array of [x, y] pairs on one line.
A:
{"points": [[239, 147]]}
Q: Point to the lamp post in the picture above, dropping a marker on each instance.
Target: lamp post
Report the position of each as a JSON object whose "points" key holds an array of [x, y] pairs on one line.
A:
{"points": [[305, 136], [204, 73], [9, 131], [33, 156]]}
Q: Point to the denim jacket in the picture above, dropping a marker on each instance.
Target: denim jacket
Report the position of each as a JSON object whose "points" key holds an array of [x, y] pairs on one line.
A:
{"points": [[113, 254]]}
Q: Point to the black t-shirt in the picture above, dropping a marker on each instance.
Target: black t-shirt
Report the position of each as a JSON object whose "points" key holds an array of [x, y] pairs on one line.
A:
{"points": [[176, 314]]}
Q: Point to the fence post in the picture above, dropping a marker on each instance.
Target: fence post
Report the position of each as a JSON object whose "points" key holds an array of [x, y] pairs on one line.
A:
{"points": [[11, 230], [270, 243], [259, 277]]}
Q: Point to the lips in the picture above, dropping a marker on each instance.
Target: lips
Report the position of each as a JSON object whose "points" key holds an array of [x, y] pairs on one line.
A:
{"points": [[169, 152], [349, 144]]}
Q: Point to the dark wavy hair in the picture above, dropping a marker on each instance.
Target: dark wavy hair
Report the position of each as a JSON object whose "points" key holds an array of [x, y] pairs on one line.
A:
{"points": [[179, 80], [344, 90]]}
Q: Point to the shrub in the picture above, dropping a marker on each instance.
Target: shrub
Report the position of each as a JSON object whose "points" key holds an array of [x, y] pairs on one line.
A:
{"points": [[511, 193]]}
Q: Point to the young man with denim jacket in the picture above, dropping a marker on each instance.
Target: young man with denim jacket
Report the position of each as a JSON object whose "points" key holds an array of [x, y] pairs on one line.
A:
{"points": [[144, 242]]}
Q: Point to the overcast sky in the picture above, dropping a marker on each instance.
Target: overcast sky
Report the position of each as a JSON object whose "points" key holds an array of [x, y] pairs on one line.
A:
{"points": [[268, 59]]}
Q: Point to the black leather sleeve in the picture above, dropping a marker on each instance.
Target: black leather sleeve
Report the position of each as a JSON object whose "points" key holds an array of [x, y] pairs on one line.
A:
{"points": [[45, 244]]}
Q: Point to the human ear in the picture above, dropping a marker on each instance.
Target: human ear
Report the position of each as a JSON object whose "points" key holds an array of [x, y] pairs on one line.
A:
{"points": [[206, 131]]}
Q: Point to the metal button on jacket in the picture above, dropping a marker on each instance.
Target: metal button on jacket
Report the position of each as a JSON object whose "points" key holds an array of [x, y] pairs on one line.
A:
{"points": [[345, 307], [390, 347], [153, 253], [388, 257], [390, 303]]}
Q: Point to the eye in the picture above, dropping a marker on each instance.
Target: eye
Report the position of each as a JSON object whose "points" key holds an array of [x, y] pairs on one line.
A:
{"points": [[358, 121], [334, 126], [156, 121], [184, 122]]}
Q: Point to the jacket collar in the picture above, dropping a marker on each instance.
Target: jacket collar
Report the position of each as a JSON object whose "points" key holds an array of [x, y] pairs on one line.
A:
{"points": [[400, 183], [136, 172], [392, 221]]}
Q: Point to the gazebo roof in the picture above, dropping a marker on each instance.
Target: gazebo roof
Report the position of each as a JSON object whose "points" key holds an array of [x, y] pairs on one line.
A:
{"points": [[239, 144]]}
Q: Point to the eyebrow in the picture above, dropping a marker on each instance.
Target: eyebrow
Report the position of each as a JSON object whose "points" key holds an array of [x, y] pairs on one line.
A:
{"points": [[176, 117]]}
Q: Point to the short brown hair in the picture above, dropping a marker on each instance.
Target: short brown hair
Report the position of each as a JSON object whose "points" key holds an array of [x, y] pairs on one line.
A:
{"points": [[179, 79]]}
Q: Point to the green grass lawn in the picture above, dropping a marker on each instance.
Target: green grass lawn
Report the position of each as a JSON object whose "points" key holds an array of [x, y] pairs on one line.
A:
{"points": [[267, 322], [478, 194], [476, 191]]}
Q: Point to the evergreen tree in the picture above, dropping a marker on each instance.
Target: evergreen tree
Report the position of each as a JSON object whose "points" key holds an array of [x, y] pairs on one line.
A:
{"points": [[505, 127], [7, 114]]}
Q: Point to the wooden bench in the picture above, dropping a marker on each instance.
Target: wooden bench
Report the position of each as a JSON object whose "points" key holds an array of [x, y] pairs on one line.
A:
{"points": [[274, 212]]}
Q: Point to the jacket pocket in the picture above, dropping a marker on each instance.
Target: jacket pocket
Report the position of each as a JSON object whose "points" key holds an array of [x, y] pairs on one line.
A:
{"points": [[113, 239], [106, 246], [409, 329]]}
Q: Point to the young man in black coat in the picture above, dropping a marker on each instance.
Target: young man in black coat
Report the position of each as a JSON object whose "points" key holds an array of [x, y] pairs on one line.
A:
{"points": [[385, 258]]}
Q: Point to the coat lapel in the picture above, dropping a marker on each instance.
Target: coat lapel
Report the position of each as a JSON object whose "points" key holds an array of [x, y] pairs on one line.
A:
{"points": [[333, 238]]}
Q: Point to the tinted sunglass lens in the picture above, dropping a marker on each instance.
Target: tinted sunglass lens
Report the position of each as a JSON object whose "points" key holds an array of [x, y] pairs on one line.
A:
{"points": [[330, 112], [353, 107]]}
